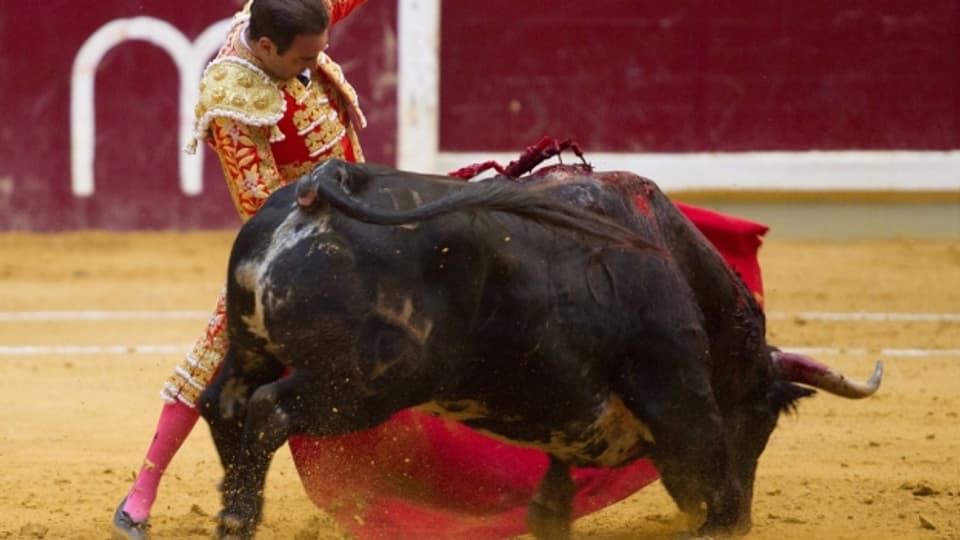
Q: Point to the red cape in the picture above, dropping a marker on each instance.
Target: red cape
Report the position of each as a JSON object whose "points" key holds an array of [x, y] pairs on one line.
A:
{"points": [[419, 476]]}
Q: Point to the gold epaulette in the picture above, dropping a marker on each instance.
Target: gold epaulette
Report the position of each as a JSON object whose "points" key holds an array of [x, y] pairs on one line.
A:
{"points": [[235, 88]]}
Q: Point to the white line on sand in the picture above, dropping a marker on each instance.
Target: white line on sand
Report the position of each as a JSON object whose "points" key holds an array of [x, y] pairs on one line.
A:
{"points": [[100, 315], [79, 350]]}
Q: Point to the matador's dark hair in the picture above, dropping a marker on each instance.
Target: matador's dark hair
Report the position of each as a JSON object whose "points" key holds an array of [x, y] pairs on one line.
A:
{"points": [[283, 20]]}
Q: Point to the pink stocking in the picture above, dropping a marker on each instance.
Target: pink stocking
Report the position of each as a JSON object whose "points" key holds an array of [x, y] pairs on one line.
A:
{"points": [[176, 421]]}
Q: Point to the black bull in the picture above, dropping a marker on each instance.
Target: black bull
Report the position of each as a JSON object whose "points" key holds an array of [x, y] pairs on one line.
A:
{"points": [[551, 313]]}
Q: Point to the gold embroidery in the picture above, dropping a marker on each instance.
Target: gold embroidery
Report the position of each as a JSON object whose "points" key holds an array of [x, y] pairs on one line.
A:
{"points": [[295, 89], [334, 74], [294, 171], [236, 89], [327, 136], [312, 110], [199, 366], [248, 164], [315, 119]]}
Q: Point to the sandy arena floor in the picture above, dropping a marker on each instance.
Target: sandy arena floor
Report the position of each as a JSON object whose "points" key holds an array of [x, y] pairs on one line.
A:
{"points": [[74, 425]]}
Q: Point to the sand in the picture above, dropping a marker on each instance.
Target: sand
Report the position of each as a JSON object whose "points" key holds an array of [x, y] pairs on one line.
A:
{"points": [[74, 425]]}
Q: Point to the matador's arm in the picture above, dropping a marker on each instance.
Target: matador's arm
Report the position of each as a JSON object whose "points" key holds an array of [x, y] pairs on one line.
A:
{"points": [[339, 9], [247, 162]]}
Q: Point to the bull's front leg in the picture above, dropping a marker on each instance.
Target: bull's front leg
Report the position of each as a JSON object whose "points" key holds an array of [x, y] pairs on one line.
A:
{"points": [[550, 513], [669, 390]]}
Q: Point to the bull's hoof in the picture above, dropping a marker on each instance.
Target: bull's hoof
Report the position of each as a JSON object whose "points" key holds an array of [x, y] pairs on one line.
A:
{"points": [[233, 527], [711, 532], [125, 528], [688, 535], [546, 523]]}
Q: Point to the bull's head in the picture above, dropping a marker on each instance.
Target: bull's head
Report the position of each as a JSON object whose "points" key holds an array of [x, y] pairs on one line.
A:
{"points": [[749, 428]]}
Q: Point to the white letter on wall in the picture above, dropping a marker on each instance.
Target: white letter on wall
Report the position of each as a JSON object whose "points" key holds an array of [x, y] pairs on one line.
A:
{"points": [[190, 59]]}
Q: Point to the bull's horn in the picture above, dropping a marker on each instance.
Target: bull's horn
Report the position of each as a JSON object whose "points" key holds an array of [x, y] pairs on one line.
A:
{"points": [[805, 370]]}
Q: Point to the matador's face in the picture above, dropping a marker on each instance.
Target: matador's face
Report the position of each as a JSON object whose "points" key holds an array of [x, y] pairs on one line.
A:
{"points": [[301, 55]]}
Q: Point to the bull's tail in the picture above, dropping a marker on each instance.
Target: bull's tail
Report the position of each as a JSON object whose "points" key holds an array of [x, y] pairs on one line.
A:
{"points": [[331, 183]]}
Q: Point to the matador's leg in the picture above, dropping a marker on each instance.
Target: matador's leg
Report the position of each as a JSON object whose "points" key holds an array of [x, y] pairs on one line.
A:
{"points": [[179, 414]]}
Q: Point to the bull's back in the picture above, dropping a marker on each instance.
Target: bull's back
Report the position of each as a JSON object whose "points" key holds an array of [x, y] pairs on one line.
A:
{"points": [[731, 317]]}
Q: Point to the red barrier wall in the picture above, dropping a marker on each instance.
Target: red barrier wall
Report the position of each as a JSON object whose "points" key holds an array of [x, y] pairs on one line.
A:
{"points": [[655, 76], [616, 75]]}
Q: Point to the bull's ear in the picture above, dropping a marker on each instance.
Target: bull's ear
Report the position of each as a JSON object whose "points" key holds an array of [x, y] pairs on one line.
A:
{"points": [[351, 178], [786, 395], [332, 170], [338, 172]]}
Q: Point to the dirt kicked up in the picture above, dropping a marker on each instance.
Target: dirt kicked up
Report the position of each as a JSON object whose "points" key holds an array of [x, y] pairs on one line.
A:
{"points": [[79, 393]]}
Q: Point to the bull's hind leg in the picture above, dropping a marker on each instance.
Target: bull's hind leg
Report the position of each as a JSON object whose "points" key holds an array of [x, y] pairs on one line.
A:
{"points": [[551, 511], [303, 403], [224, 405], [669, 390], [265, 429]]}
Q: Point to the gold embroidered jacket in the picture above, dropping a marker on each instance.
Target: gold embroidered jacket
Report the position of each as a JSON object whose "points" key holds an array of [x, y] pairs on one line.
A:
{"points": [[268, 132]]}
